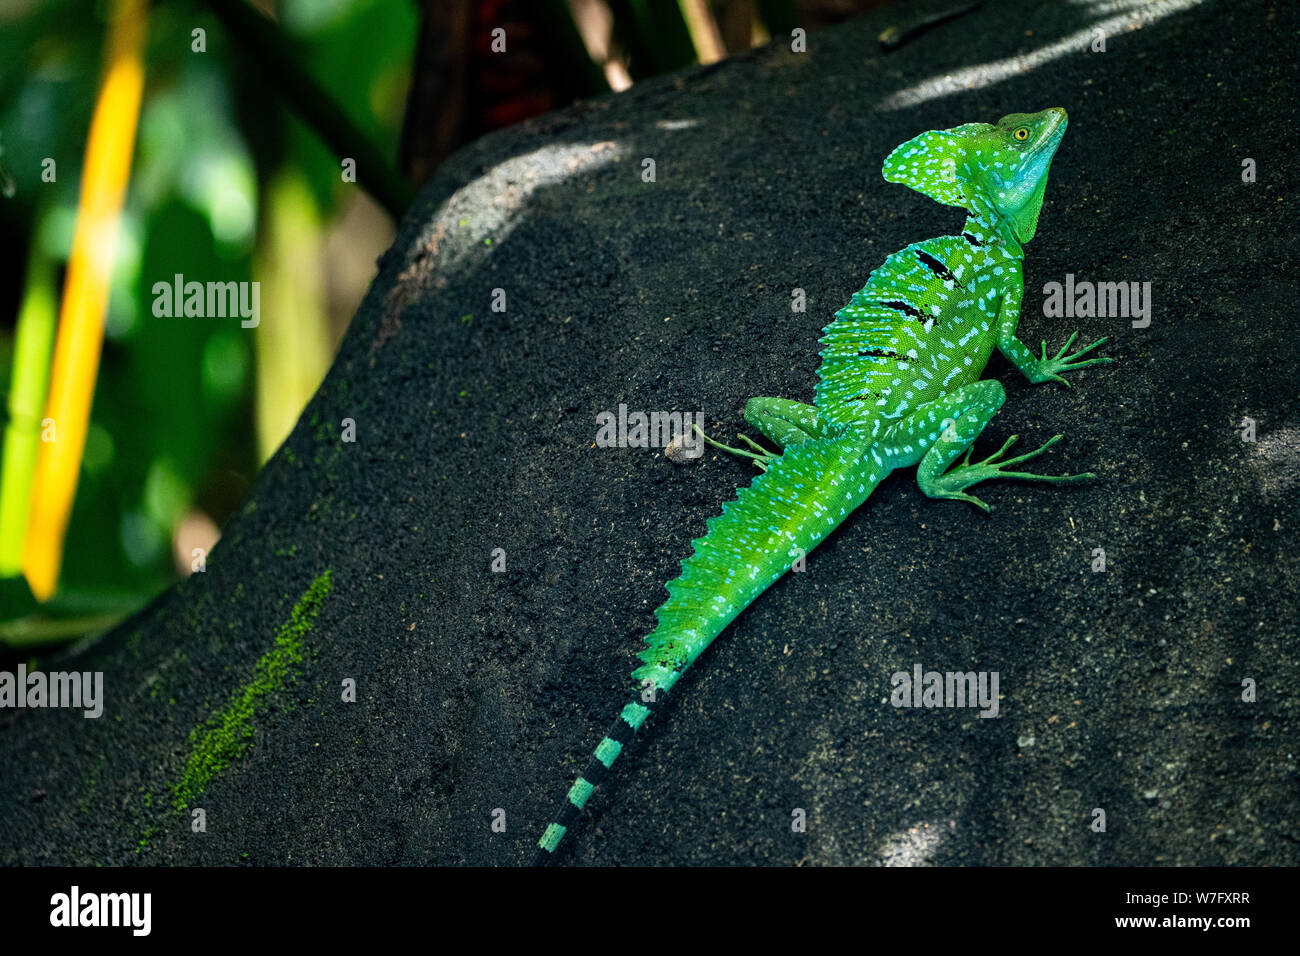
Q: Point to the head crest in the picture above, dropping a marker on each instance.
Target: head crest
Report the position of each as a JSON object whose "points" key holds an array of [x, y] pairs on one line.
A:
{"points": [[997, 173], [928, 164]]}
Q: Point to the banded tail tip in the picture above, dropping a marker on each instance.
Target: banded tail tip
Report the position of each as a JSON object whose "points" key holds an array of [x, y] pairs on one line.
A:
{"points": [[552, 837], [630, 718]]}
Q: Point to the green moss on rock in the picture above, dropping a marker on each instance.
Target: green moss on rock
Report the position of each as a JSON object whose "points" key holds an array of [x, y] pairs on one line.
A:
{"points": [[227, 734]]}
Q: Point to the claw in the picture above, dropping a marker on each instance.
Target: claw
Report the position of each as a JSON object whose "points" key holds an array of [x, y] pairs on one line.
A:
{"points": [[1068, 363], [961, 477], [997, 454], [1089, 348], [762, 460], [1068, 342]]}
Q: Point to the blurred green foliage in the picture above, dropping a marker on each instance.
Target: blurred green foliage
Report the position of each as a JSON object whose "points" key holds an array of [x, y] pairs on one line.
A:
{"points": [[171, 426]]}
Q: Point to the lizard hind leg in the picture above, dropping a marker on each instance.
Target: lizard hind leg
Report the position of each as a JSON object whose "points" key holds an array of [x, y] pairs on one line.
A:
{"points": [[947, 427], [784, 422], [781, 421]]}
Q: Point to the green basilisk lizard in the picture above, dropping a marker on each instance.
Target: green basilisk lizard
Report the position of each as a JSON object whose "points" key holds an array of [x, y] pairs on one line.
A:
{"points": [[899, 386]]}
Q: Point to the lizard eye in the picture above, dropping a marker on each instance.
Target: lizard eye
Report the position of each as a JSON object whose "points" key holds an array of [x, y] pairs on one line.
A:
{"points": [[1022, 133]]}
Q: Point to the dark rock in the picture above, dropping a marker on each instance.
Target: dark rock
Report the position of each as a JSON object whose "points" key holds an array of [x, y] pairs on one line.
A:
{"points": [[479, 690]]}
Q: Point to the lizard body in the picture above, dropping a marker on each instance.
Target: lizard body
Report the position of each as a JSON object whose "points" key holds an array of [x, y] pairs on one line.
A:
{"points": [[899, 385]]}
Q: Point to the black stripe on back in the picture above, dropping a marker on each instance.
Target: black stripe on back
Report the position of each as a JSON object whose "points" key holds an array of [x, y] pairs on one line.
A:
{"points": [[905, 309], [620, 730], [936, 266], [883, 353], [595, 772]]}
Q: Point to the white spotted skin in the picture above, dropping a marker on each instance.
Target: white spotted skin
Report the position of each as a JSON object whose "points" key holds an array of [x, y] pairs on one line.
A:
{"points": [[898, 383], [793, 506], [925, 324], [839, 450]]}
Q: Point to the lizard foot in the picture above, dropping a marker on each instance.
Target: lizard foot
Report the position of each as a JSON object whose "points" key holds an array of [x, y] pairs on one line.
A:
{"points": [[953, 483], [1050, 368], [761, 456]]}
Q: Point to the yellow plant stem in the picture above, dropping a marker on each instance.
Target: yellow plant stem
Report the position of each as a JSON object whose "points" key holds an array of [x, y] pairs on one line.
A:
{"points": [[705, 36], [33, 343], [85, 294], [293, 341]]}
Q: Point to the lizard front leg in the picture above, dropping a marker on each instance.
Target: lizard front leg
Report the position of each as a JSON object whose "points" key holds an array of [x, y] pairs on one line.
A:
{"points": [[940, 430], [1041, 369]]}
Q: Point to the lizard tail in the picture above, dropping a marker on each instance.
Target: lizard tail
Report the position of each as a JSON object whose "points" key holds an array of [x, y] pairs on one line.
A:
{"points": [[785, 512], [620, 732]]}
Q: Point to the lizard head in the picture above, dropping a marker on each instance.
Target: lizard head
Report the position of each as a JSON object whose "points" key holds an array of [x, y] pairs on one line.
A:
{"points": [[997, 172]]}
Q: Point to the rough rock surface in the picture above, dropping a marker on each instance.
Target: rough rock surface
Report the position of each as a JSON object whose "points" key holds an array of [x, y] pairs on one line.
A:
{"points": [[476, 430]]}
